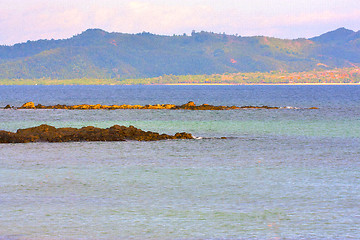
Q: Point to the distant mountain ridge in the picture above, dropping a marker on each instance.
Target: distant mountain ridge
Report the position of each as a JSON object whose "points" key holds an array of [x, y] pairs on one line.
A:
{"points": [[341, 35], [96, 53]]}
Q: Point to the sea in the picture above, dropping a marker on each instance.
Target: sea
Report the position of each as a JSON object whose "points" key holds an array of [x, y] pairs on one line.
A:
{"points": [[289, 173]]}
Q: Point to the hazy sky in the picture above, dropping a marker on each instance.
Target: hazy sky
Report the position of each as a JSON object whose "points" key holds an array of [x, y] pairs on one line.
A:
{"points": [[22, 20]]}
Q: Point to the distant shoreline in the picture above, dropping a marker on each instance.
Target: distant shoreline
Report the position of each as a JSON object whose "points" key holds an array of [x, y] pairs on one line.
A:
{"points": [[260, 84], [343, 76], [190, 84]]}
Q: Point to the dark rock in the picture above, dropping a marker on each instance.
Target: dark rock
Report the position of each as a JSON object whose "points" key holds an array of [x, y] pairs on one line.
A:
{"points": [[39, 106], [259, 107], [183, 135], [192, 106], [7, 107], [46, 133]]}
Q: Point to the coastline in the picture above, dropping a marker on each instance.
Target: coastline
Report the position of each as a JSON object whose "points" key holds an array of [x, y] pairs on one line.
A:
{"points": [[247, 84], [188, 106], [195, 84]]}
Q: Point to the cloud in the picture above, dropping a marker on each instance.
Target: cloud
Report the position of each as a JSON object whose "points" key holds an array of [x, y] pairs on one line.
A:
{"points": [[313, 18], [55, 20], [137, 16], [305, 24], [38, 21], [21, 21]]}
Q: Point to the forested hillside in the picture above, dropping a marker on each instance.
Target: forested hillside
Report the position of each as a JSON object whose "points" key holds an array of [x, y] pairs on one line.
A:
{"points": [[101, 55]]}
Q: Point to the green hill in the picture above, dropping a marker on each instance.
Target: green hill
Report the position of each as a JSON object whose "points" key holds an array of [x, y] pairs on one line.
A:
{"points": [[103, 55]]}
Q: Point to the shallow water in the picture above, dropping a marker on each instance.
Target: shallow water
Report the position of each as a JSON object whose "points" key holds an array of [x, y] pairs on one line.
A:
{"points": [[280, 174]]}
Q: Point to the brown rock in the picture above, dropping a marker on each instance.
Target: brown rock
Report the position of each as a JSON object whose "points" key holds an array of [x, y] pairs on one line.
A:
{"points": [[258, 107], [46, 133], [183, 135], [97, 106], [188, 106], [28, 105], [169, 106], [7, 137], [39, 106]]}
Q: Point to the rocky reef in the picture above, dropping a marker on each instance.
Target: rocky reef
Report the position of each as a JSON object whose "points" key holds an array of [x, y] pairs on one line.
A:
{"points": [[188, 106], [46, 133]]}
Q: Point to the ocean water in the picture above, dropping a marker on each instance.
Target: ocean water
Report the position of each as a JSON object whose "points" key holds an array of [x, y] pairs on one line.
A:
{"points": [[291, 173]]}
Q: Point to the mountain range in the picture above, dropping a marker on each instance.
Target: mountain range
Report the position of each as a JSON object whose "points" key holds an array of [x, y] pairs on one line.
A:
{"points": [[98, 54]]}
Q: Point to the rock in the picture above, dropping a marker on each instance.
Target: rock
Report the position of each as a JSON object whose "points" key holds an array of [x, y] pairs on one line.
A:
{"points": [[28, 105], [7, 137], [183, 135], [7, 107], [39, 106], [259, 107], [97, 106], [188, 106], [169, 106], [46, 133]]}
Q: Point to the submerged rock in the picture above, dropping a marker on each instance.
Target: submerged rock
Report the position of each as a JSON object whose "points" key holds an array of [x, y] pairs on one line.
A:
{"points": [[46, 133], [259, 107]]}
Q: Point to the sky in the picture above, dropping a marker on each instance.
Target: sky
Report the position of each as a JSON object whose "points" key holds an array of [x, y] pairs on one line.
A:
{"points": [[22, 20]]}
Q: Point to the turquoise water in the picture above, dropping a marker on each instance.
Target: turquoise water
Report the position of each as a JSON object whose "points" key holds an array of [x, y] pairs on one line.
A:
{"points": [[280, 174]]}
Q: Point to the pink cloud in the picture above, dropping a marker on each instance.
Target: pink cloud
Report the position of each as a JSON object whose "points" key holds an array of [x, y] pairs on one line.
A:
{"points": [[311, 18], [21, 21]]}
